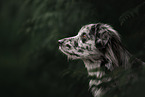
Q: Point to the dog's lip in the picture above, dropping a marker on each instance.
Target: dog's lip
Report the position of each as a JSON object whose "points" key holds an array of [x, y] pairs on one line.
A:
{"points": [[64, 47], [71, 55], [61, 49]]}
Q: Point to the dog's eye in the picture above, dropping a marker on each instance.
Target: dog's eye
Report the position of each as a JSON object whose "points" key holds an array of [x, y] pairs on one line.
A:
{"points": [[84, 36]]}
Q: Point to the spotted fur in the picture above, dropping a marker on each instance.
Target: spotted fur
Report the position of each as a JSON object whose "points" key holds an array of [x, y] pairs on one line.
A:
{"points": [[99, 46]]}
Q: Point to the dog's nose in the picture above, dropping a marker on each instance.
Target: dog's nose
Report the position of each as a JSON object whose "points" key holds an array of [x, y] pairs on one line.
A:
{"points": [[60, 42]]}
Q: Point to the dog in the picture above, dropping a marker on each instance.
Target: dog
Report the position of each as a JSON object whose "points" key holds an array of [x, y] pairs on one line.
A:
{"points": [[99, 46]]}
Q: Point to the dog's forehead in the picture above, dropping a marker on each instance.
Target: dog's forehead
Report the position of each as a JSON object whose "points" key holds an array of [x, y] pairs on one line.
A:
{"points": [[85, 29]]}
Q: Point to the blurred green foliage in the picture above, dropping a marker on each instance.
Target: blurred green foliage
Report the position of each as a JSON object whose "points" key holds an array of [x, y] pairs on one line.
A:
{"points": [[31, 64]]}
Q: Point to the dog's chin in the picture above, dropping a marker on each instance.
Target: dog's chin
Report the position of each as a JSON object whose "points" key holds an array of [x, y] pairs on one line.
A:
{"points": [[71, 57]]}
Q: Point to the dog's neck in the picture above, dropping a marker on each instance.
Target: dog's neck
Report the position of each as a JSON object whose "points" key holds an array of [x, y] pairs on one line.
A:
{"points": [[94, 67], [91, 64], [97, 63]]}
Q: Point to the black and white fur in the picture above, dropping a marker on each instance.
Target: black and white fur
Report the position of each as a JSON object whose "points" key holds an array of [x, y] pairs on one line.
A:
{"points": [[99, 46]]}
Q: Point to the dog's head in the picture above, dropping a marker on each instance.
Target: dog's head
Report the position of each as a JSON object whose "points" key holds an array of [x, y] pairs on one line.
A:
{"points": [[89, 41]]}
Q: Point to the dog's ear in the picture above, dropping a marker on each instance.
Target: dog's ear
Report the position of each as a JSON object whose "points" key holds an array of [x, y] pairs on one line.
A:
{"points": [[102, 39], [101, 35]]}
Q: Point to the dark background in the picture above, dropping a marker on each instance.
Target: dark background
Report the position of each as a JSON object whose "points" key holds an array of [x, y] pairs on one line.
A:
{"points": [[31, 64]]}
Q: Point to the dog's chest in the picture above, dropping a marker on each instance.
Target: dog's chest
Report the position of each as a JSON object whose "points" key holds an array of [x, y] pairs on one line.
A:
{"points": [[95, 74]]}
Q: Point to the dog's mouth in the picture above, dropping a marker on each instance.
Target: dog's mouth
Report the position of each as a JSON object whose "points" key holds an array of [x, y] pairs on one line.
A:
{"points": [[71, 55]]}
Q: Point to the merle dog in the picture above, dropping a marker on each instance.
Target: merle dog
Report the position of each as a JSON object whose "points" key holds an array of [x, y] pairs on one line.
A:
{"points": [[98, 45]]}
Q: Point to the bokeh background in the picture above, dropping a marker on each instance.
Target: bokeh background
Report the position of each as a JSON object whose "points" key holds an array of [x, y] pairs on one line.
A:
{"points": [[31, 64]]}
